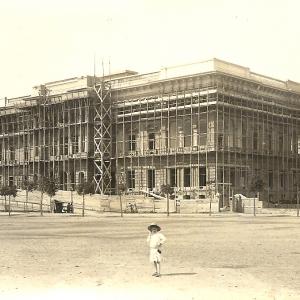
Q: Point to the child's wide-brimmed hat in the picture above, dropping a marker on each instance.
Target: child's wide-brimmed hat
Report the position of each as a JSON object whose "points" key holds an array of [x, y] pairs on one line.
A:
{"points": [[153, 225]]}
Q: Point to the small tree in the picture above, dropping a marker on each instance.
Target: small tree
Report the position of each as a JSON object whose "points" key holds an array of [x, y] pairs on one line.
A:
{"points": [[83, 189], [28, 186], [51, 189], [4, 191], [43, 187], [12, 192], [8, 191], [167, 190], [257, 186]]}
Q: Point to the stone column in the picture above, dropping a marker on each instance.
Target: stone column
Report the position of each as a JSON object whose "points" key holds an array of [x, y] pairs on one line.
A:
{"points": [[163, 137], [211, 132], [180, 139], [180, 182], [194, 136], [195, 177]]}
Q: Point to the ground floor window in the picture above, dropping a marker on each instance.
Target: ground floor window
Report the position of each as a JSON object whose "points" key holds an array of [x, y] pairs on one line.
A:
{"points": [[282, 180], [11, 181], [187, 177], [270, 179], [173, 180], [151, 179], [131, 179], [232, 177], [202, 176]]}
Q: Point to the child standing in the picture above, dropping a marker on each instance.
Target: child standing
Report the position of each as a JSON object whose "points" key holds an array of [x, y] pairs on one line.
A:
{"points": [[155, 240]]}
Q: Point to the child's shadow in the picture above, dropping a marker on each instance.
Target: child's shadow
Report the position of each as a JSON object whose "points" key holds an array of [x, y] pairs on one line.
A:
{"points": [[178, 274]]}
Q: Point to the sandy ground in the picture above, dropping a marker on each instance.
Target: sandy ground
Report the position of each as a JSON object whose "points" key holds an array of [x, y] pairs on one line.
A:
{"points": [[106, 257]]}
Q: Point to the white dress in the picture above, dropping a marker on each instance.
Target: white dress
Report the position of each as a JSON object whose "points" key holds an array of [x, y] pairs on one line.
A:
{"points": [[155, 242]]}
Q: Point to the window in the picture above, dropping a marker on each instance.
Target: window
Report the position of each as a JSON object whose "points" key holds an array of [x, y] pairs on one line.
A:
{"points": [[294, 178], [82, 141], [81, 177], [243, 177], [173, 177], [232, 177], [66, 117], [294, 142], [66, 146], [151, 138], [282, 180], [298, 143], [74, 144], [270, 179], [220, 141], [187, 177], [131, 179], [72, 115], [61, 145], [132, 143], [270, 141], [12, 153], [83, 114], [151, 179], [202, 176], [255, 141], [25, 153], [281, 144]]}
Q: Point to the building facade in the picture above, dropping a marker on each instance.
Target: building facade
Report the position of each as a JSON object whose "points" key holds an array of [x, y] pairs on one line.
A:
{"points": [[204, 128]]}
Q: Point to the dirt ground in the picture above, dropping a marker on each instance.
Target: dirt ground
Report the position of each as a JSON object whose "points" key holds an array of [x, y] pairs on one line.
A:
{"points": [[106, 257]]}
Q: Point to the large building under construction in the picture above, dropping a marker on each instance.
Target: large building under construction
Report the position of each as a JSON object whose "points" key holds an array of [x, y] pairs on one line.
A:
{"points": [[204, 128]]}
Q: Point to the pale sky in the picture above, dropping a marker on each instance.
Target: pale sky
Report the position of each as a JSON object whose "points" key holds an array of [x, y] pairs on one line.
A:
{"points": [[45, 41]]}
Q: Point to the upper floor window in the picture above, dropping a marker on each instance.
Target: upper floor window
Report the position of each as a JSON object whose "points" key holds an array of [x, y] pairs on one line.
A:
{"points": [[132, 143], [151, 138]]}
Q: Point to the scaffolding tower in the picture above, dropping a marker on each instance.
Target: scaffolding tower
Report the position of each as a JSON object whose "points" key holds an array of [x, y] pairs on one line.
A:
{"points": [[102, 137]]}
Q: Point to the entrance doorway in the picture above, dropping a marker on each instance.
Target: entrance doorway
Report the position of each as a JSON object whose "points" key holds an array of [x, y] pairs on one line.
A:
{"points": [[151, 179]]}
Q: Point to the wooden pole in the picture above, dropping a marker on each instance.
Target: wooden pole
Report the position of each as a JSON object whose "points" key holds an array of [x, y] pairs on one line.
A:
{"points": [[9, 205], [71, 196], [168, 205], [42, 195], [121, 207], [254, 199], [210, 196], [26, 205], [297, 203], [83, 204], [232, 200]]}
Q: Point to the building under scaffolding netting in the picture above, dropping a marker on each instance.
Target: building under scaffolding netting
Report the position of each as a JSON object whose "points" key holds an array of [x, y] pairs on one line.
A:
{"points": [[208, 127]]}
